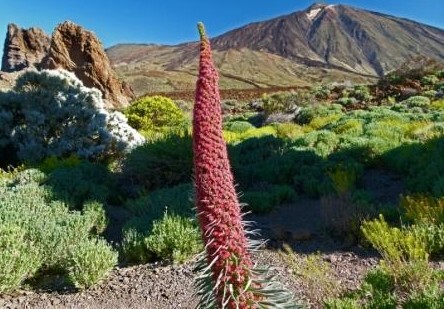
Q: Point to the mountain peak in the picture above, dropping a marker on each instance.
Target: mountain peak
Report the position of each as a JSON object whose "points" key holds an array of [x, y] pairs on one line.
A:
{"points": [[313, 10]]}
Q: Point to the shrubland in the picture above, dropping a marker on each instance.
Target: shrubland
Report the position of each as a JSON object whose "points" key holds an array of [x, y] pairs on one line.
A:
{"points": [[73, 160]]}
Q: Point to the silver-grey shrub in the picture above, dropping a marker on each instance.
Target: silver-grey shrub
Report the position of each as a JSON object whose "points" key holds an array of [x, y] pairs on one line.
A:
{"points": [[40, 233], [51, 113]]}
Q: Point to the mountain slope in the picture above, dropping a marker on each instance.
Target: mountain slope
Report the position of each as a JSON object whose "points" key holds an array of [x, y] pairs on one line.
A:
{"points": [[321, 43]]}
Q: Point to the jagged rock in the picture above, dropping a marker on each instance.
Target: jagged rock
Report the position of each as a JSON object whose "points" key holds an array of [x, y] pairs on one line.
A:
{"points": [[23, 48], [77, 50]]}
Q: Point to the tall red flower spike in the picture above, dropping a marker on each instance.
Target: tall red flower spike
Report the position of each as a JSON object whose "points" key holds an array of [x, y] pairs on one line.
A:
{"points": [[229, 278]]}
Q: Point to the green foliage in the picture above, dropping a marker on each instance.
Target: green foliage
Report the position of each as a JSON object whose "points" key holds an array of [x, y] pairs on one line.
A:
{"points": [[161, 163], [238, 126], [285, 101], [133, 246], [90, 262], [347, 101], [343, 178], [361, 93], [431, 298], [311, 113], [416, 101], [431, 94], [155, 113], [178, 199], [423, 209], [289, 130], [350, 127], [398, 247], [17, 259], [268, 198], [429, 80], [59, 238], [52, 163], [148, 209], [174, 238], [342, 303], [321, 92], [80, 183]]}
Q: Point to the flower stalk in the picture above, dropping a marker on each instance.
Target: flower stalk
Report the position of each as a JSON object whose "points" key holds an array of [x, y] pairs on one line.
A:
{"points": [[229, 278]]}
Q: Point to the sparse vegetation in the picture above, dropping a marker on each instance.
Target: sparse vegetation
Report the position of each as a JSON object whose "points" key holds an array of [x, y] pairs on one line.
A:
{"points": [[55, 206]]}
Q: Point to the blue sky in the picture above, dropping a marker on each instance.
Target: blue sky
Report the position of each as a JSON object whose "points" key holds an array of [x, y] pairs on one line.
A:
{"points": [[174, 21]]}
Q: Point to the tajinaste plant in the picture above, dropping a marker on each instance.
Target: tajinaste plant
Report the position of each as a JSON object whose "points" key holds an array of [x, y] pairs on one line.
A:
{"points": [[228, 279]]}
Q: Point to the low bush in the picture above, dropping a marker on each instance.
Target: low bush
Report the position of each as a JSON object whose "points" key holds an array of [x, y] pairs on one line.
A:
{"points": [[52, 163], [172, 238], [90, 262], [416, 101], [59, 239], [178, 199], [80, 183], [285, 101], [238, 126], [289, 130], [162, 163], [423, 209], [17, 259], [69, 119], [268, 198], [155, 113]]}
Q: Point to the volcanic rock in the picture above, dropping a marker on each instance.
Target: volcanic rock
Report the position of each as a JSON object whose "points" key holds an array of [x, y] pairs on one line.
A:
{"points": [[77, 50], [23, 48]]}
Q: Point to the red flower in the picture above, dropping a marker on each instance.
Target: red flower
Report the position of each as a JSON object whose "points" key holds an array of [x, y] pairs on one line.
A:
{"points": [[234, 284]]}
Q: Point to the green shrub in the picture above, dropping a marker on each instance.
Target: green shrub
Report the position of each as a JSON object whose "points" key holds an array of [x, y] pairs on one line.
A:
{"points": [[161, 163], [351, 127], [429, 80], [178, 199], [321, 92], [431, 298], [347, 101], [416, 101], [17, 259], [133, 245], [267, 199], [423, 209], [174, 238], [90, 262], [238, 126], [397, 246], [289, 130], [155, 113], [53, 232], [342, 303], [433, 235], [431, 94], [343, 178], [309, 113], [285, 101], [361, 93], [80, 183], [95, 214], [50, 164]]}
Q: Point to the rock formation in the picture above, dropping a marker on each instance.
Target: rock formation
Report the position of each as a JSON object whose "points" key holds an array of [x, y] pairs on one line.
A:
{"points": [[23, 48], [77, 50]]}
